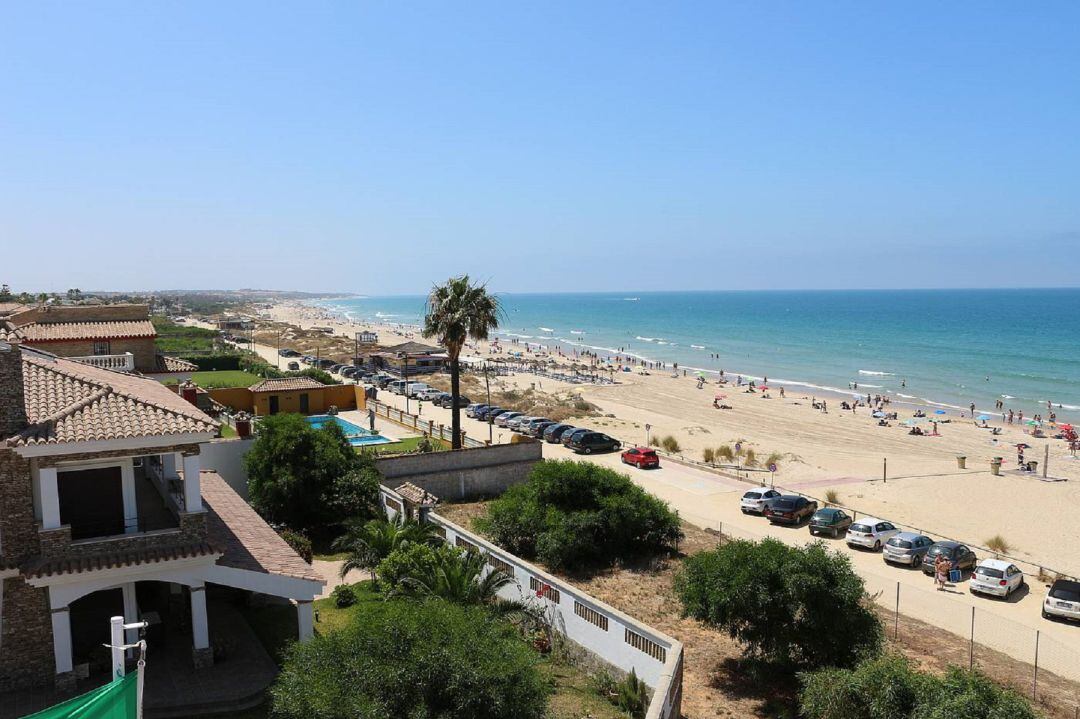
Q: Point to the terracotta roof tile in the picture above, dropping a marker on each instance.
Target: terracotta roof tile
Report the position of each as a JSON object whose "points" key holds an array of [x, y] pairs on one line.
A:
{"points": [[411, 493], [64, 331], [67, 401], [286, 384], [247, 541], [163, 363], [44, 566]]}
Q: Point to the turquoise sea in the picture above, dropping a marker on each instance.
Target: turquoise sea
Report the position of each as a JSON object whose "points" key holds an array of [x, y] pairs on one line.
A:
{"points": [[944, 347]]}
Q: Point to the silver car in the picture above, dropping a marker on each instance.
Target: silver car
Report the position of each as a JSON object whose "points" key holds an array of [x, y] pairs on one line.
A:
{"points": [[514, 423], [756, 501], [505, 417], [906, 548]]}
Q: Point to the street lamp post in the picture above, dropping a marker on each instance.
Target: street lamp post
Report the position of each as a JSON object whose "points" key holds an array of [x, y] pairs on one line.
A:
{"points": [[487, 383], [405, 374]]}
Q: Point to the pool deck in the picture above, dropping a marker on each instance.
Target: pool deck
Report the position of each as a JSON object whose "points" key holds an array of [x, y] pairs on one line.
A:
{"points": [[386, 428]]}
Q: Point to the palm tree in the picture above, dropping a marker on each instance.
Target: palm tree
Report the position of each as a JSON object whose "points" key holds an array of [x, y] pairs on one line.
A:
{"points": [[455, 312], [369, 543], [460, 578]]}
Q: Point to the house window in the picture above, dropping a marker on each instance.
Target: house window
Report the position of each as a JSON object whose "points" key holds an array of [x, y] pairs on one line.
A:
{"points": [[101, 347]]}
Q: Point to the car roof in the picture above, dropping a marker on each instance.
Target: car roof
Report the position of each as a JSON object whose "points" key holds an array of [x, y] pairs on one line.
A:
{"points": [[947, 543], [909, 535], [995, 563], [868, 520], [830, 510], [789, 496], [1066, 584]]}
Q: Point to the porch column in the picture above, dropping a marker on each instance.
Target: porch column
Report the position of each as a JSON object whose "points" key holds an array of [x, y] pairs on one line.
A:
{"points": [[304, 619], [61, 631], [127, 483], [201, 654], [50, 498], [192, 488], [131, 615]]}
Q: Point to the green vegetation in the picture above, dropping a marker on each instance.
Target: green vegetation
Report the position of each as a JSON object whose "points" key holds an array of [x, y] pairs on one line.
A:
{"points": [[671, 444], [832, 496], [224, 378], [309, 479], [455, 312], [299, 543], [888, 687], [413, 659], [343, 596], [797, 606], [407, 445], [443, 572], [708, 455], [578, 514], [998, 544], [630, 695], [366, 544], [172, 337]]}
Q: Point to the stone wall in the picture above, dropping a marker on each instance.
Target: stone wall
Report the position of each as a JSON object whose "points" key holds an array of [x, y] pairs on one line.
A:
{"points": [[141, 347], [12, 406], [465, 473], [26, 655]]}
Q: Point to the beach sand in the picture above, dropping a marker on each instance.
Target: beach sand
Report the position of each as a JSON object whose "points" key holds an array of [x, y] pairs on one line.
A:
{"points": [[838, 451]]}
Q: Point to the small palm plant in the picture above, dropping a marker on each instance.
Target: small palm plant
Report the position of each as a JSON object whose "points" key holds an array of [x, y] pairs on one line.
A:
{"points": [[370, 542], [460, 578]]}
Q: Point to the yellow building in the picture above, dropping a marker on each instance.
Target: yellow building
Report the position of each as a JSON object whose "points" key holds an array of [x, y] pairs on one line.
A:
{"points": [[301, 394]]}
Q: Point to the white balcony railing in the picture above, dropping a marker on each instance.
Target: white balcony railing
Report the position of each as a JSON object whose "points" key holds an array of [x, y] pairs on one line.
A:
{"points": [[120, 363]]}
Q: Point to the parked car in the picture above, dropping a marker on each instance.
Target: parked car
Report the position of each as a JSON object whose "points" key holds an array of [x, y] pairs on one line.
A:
{"points": [[831, 521], [959, 555], [438, 398], [473, 409], [589, 442], [554, 433], [396, 386], [413, 389], [490, 413], [790, 509], [337, 367], [349, 371], [870, 533], [536, 429], [324, 363], [756, 501], [448, 401], [514, 423], [569, 435], [641, 457], [505, 417], [384, 381], [530, 426], [1063, 600], [996, 577], [294, 366], [429, 394], [907, 548]]}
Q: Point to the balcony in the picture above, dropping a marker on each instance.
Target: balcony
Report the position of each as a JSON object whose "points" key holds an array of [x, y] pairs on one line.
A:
{"points": [[119, 363]]}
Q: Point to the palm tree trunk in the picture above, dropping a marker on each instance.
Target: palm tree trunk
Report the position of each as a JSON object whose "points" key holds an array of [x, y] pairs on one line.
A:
{"points": [[455, 410]]}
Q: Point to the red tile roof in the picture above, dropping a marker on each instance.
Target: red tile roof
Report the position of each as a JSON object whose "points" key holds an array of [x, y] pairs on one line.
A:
{"points": [[67, 401], [108, 559], [286, 384], [66, 331], [247, 541], [164, 363]]}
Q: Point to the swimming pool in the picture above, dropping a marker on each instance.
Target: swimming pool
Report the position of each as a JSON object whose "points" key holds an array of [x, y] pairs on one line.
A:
{"points": [[358, 436]]}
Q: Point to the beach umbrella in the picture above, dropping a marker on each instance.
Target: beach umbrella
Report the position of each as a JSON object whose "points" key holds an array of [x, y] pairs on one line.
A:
{"points": [[701, 374], [1033, 422], [984, 417], [878, 415], [940, 411], [1065, 426], [763, 386]]}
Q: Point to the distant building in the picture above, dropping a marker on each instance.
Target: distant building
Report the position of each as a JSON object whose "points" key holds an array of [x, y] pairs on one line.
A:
{"points": [[117, 337], [234, 323], [408, 357]]}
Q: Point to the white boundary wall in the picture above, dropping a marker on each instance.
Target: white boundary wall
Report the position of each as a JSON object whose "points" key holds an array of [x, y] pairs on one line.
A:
{"points": [[613, 636]]}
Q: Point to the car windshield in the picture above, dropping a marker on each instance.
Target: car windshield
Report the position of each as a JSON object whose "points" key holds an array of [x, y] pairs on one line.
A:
{"points": [[989, 572], [901, 543], [1066, 592], [934, 551], [860, 528]]}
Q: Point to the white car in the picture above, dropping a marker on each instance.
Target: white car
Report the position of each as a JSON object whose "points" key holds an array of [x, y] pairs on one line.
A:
{"points": [[871, 533], [1063, 600], [514, 423], [415, 388], [756, 501], [997, 577], [428, 394], [470, 411]]}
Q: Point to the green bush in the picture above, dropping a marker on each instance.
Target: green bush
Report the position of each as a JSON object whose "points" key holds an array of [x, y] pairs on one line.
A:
{"points": [[411, 560], [300, 544], [212, 363], [343, 596], [888, 687], [316, 374], [670, 444], [576, 514], [306, 478], [803, 606], [420, 660], [708, 455]]}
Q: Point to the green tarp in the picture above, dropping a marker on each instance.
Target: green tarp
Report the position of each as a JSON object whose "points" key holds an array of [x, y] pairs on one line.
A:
{"points": [[118, 700]]}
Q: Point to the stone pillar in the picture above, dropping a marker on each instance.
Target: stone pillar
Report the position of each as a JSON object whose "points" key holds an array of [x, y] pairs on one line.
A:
{"points": [[192, 488], [305, 619], [131, 509], [50, 498], [61, 631], [201, 653]]}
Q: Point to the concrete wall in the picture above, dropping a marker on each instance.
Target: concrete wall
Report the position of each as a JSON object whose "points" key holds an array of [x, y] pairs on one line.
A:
{"points": [[239, 398], [141, 347], [465, 473], [226, 457], [319, 399], [615, 637]]}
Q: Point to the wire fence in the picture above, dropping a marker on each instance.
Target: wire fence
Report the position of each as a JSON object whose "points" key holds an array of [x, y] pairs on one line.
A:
{"points": [[946, 628]]}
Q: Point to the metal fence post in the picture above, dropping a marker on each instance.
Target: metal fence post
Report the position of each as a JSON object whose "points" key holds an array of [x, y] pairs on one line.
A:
{"points": [[971, 648], [896, 617], [1035, 682]]}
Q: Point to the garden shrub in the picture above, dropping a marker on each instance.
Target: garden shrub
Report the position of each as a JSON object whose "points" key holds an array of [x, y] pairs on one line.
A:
{"points": [[343, 596], [888, 687], [576, 514], [413, 659], [803, 606], [300, 543]]}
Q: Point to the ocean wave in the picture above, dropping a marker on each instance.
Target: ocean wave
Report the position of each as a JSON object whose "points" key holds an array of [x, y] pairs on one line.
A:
{"points": [[545, 329], [647, 339], [1007, 396], [576, 332], [698, 347], [631, 299], [1070, 406], [875, 373]]}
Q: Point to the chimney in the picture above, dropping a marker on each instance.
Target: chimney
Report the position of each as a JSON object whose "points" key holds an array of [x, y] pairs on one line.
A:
{"points": [[12, 400], [190, 392]]}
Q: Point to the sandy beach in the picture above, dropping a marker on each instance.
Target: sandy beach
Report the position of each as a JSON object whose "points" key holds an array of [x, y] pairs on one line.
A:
{"points": [[843, 451]]}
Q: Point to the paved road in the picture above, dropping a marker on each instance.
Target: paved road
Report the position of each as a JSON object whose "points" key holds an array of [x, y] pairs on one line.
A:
{"points": [[709, 500]]}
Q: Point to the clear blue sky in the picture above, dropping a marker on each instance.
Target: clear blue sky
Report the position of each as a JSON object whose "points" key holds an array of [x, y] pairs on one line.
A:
{"points": [[377, 148]]}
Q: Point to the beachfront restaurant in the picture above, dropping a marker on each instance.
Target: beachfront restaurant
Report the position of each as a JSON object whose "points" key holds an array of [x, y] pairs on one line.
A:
{"points": [[406, 359]]}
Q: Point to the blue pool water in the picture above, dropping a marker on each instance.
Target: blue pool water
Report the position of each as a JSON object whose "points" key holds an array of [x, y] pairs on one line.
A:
{"points": [[358, 436]]}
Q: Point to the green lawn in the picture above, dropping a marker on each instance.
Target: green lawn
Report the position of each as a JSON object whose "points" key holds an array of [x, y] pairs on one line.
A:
{"points": [[408, 444], [225, 378], [172, 337]]}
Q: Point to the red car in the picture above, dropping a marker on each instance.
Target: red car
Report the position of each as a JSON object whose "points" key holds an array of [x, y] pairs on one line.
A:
{"points": [[642, 457]]}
